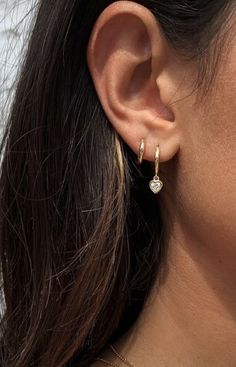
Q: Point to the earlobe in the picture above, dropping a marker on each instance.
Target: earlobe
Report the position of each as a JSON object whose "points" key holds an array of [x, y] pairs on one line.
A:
{"points": [[126, 54]]}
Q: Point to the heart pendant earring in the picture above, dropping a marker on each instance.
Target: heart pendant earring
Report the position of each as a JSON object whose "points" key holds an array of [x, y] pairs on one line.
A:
{"points": [[156, 184]]}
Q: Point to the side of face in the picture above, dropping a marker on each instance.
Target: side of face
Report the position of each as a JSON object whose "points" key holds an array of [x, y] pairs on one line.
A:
{"points": [[205, 191]]}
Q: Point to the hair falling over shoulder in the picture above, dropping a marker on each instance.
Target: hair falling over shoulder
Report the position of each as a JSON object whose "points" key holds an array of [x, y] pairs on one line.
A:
{"points": [[80, 238]]}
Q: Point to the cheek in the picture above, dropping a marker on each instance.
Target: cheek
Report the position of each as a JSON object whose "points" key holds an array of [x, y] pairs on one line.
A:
{"points": [[206, 186]]}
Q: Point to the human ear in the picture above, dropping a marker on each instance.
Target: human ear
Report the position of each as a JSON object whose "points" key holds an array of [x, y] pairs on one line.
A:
{"points": [[131, 65]]}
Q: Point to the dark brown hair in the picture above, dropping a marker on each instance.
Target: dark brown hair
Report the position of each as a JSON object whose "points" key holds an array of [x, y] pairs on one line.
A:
{"points": [[80, 234]]}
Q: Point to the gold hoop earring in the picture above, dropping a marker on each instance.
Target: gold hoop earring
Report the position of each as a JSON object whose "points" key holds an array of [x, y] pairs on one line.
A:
{"points": [[141, 151], [156, 184]]}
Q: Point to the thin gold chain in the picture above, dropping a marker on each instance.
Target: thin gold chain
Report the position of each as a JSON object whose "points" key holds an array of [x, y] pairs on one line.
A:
{"points": [[106, 362], [122, 358]]}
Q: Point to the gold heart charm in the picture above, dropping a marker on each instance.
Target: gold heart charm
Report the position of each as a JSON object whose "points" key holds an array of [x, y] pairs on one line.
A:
{"points": [[156, 186]]}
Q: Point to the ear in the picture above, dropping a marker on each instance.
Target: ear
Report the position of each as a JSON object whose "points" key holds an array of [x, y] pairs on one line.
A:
{"points": [[131, 64]]}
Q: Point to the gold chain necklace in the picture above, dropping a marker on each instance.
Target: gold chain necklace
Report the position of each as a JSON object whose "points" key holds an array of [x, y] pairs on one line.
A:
{"points": [[122, 358]]}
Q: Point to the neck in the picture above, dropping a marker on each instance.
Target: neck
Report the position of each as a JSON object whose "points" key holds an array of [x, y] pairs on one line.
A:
{"points": [[190, 317]]}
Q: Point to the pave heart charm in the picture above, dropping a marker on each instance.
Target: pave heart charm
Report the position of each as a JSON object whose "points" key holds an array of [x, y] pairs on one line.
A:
{"points": [[156, 185]]}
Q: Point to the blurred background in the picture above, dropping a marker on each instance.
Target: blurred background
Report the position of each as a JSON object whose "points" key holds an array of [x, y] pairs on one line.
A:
{"points": [[15, 24]]}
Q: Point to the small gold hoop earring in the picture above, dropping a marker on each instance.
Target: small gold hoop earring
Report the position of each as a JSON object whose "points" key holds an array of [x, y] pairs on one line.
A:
{"points": [[141, 151], [156, 184]]}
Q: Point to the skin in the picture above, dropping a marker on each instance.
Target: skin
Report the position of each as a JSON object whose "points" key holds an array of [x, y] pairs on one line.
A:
{"points": [[145, 88]]}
